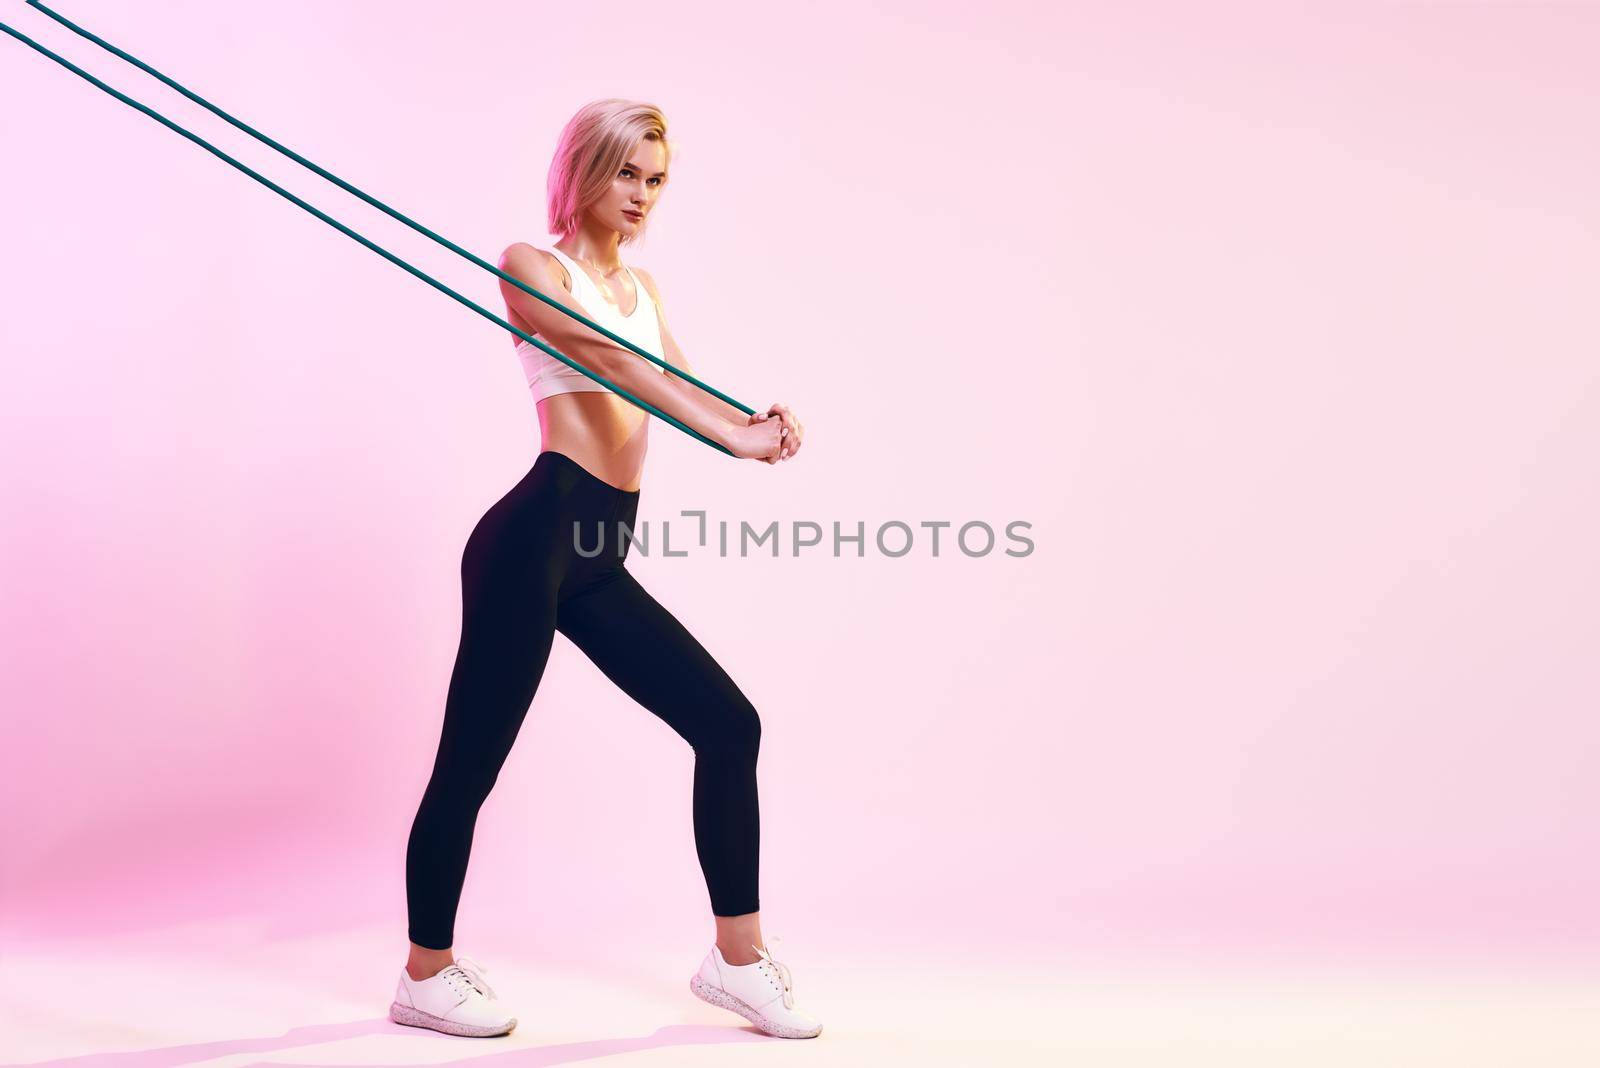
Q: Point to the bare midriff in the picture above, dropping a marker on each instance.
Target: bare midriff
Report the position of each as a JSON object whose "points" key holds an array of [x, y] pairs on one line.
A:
{"points": [[605, 434]]}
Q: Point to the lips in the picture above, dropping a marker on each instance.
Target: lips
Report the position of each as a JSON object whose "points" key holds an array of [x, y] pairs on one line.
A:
{"points": [[634, 214]]}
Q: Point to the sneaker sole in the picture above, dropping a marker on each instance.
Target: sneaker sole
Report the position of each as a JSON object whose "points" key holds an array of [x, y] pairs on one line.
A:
{"points": [[411, 1017], [723, 1000]]}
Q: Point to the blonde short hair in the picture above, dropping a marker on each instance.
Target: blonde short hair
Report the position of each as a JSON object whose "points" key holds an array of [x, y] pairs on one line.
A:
{"points": [[593, 146]]}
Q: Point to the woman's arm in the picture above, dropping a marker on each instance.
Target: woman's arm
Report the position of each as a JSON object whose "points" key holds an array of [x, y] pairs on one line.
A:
{"points": [[722, 409], [674, 355], [603, 356]]}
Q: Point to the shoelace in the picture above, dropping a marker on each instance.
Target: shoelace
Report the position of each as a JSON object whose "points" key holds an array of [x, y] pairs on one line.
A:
{"points": [[472, 972], [782, 971]]}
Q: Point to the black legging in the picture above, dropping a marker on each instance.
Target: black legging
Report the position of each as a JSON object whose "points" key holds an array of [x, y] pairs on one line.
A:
{"points": [[522, 579]]}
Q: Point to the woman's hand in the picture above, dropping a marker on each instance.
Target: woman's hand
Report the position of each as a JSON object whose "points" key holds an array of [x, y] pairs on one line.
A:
{"points": [[760, 439], [792, 430]]}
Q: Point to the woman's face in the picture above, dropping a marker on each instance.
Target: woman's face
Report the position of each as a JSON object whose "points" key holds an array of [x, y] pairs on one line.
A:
{"points": [[634, 188]]}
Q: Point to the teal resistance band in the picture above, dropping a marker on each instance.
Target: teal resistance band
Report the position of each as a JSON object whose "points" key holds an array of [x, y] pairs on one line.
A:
{"points": [[371, 245], [418, 227]]}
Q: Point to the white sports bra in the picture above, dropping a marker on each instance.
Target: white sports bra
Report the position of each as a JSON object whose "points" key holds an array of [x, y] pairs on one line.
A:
{"points": [[548, 376]]}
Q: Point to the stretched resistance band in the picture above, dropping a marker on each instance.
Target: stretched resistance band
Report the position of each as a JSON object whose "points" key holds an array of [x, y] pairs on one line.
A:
{"points": [[347, 231]]}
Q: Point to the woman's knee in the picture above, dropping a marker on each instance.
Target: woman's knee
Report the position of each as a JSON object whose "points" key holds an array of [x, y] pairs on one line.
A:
{"points": [[736, 731], [460, 788]]}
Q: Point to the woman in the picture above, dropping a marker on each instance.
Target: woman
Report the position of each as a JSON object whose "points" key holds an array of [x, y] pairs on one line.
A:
{"points": [[523, 579]]}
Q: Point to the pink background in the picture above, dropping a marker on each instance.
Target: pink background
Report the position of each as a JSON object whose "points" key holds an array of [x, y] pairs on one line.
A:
{"points": [[1279, 327]]}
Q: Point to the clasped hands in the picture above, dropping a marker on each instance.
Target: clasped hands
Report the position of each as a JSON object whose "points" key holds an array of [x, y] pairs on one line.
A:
{"points": [[769, 436]]}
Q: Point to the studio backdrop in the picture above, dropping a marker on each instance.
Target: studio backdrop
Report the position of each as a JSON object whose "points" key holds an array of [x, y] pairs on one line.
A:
{"points": [[1191, 551]]}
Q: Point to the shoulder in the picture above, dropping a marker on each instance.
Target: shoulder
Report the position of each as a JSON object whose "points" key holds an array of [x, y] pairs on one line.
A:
{"points": [[529, 264], [649, 283]]}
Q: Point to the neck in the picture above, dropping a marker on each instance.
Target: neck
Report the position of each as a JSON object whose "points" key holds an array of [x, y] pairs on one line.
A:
{"points": [[598, 245]]}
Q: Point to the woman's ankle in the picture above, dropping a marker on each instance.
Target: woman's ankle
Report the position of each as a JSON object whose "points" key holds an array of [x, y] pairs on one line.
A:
{"points": [[736, 958], [737, 936], [425, 963]]}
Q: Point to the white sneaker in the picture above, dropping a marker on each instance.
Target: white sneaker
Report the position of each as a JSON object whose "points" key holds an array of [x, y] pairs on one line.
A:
{"points": [[762, 992], [456, 1001]]}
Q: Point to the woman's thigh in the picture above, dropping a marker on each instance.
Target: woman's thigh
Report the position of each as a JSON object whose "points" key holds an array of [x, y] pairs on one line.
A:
{"points": [[643, 648], [511, 571]]}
